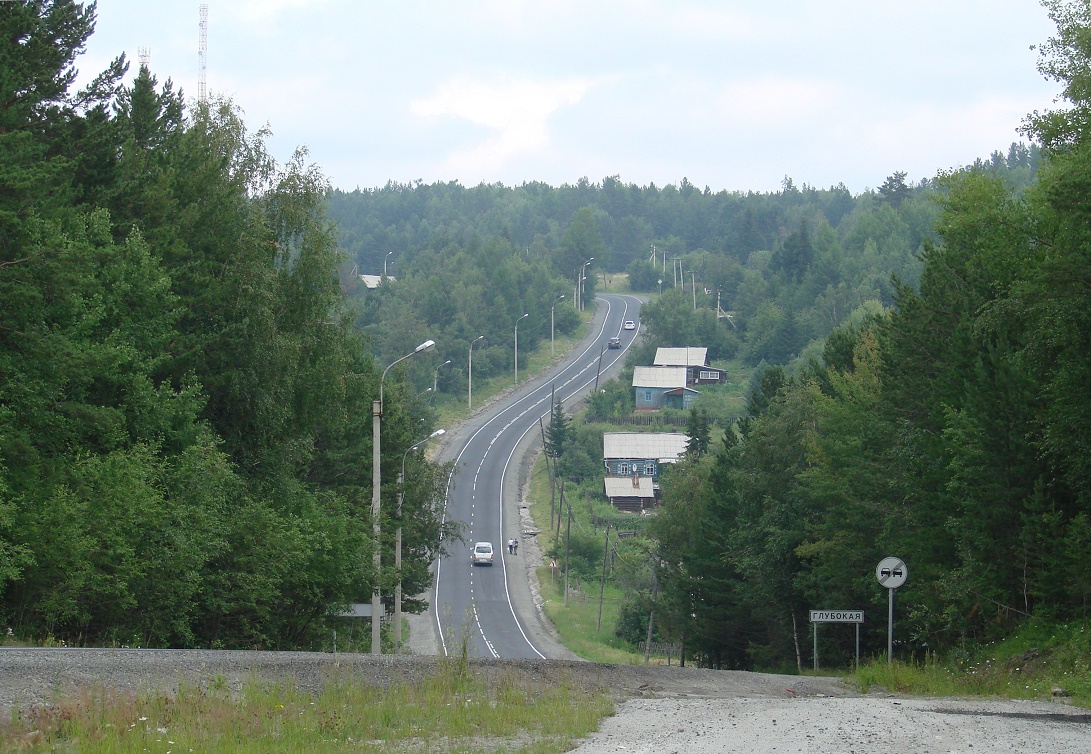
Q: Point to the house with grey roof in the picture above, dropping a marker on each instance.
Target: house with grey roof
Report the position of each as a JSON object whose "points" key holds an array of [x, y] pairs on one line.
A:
{"points": [[662, 387], [633, 461], [371, 282], [641, 453], [634, 494], [695, 360]]}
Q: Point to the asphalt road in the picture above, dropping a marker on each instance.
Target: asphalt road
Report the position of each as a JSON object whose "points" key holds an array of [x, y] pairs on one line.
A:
{"points": [[490, 607]]}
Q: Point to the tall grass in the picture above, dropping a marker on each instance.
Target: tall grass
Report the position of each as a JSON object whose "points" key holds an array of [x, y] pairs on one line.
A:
{"points": [[453, 710], [1041, 660]]}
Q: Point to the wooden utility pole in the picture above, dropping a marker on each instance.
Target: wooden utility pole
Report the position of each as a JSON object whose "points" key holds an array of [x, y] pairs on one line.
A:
{"points": [[567, 541], [602, 579]]}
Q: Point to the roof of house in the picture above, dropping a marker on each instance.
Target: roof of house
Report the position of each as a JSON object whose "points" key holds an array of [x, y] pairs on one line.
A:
{"points": [[659, 377], [371, 282], [629, 486], [662, 446], [681, 357]]}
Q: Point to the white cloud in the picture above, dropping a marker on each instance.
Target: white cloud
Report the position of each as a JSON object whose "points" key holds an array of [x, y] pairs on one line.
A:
{"points": [[776, 100], [517, 112]]}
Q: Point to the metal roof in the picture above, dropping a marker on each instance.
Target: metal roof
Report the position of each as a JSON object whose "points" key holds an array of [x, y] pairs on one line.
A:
{"points": [[623, 486], [681, 357], [662, 446], [659, 377], [371, 282]]}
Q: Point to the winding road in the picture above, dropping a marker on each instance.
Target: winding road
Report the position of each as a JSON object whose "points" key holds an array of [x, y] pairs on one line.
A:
{"points": [[489, 608]]}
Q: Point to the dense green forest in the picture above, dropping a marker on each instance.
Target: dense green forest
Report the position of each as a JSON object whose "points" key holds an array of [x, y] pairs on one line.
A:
{"points": [[950, 429], [789, 266], [184, 399]]}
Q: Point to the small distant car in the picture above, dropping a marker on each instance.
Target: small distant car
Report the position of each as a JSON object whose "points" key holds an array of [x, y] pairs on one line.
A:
{"points": [[481, 554], [613, 343], [629, 325]]}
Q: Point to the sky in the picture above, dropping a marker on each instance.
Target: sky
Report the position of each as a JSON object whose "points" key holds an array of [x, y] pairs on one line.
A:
{"points": [[731, 95]]}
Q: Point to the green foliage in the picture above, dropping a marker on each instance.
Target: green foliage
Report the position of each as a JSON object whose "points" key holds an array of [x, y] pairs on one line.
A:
{"points": [[556, 431], [183, 402], [951, 430], [1039, 658]]}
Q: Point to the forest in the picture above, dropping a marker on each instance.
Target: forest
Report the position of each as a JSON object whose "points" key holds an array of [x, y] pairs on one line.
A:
{"points": [[949, 428], [188, 356], [184, 397]]}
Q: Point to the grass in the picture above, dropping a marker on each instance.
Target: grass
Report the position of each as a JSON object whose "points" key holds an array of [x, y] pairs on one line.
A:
{"points": [[453, 710], [1041, 658], [577, 622]]}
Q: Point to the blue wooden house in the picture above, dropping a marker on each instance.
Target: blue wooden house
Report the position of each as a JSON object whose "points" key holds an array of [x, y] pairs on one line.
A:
{"points": [[662, 387]]}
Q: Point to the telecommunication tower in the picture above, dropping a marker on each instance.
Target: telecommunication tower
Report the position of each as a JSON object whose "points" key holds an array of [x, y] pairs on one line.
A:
{"points": [[145, 56], [202, 56]]}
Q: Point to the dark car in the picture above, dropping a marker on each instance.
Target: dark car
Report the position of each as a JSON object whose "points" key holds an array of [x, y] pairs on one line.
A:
{"points": [[614, 343]]}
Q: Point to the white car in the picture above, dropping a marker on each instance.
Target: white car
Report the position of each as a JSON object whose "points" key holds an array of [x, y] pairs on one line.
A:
{"points": [[629, 325], [481, 554]]}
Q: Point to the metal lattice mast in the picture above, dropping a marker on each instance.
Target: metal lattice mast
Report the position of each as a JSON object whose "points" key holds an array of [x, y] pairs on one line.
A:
{"points": [[145, 56], [202, 57]]}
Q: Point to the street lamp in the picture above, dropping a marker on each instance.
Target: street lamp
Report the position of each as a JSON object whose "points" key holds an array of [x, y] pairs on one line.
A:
{"points": [[551, 323], [517, 346], [376, 556], [435, 375], [384, 262], [398, 543], [470, 374], [580, 281]]}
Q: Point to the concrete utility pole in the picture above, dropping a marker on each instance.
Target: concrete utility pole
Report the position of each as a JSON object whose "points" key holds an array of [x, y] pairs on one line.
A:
{"points": [[398, 542], [376, 481], [517, 346], [470, 374]]}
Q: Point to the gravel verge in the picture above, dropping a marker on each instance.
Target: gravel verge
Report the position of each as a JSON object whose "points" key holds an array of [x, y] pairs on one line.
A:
{"points": [[661, 710]]}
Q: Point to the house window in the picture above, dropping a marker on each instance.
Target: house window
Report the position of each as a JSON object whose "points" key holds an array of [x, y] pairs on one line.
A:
{"points": [[647, 396], [708, 375], [623, 469]]}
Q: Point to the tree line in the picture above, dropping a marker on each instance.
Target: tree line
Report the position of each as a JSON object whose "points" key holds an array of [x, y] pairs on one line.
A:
{"points": [[184, 396], [950, 429], [788, 267]]}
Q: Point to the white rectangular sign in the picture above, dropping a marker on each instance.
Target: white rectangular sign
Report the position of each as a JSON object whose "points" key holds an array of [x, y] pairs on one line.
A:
{"points": [[837, 616]]}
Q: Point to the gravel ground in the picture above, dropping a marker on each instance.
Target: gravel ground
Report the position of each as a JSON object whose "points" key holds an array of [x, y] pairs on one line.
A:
{"points": [[661, 710], [841, 725]]}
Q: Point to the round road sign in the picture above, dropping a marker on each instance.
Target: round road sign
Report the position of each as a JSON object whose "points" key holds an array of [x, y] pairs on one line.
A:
{"points": [[891, 572]]}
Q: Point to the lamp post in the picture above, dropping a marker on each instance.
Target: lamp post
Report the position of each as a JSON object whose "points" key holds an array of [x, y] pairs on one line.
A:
{"points": [[551, 353], [435, 376], [384, 262], [517, 346], [376, 556], [470, 374], [398, 543], [582, 267]]}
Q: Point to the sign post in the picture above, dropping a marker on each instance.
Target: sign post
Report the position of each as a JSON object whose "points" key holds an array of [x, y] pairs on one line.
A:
{"points": [[891, 573], [837, 616]]}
